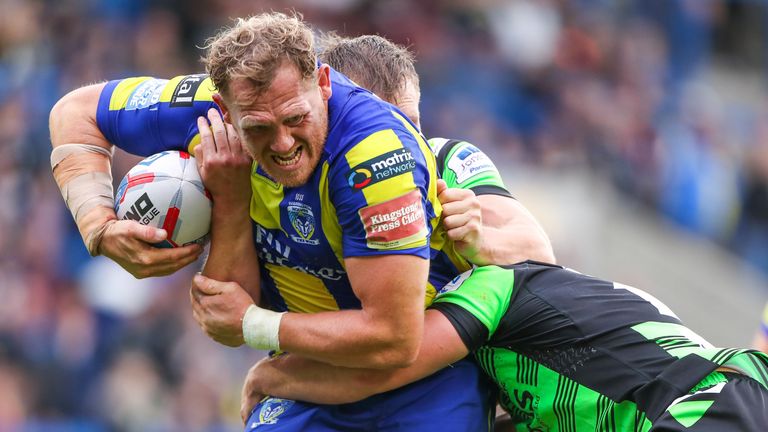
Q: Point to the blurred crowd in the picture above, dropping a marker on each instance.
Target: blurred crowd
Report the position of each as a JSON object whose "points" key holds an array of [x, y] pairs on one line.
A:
{"points": [[628, 89]]}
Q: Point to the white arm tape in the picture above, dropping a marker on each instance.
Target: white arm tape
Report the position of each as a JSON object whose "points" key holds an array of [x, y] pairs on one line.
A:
{"points": [[84, 190], [261, 328]]}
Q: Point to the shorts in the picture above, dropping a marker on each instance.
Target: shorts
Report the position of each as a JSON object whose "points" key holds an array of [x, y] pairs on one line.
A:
{"points": [[735, 402], [456, 399]]}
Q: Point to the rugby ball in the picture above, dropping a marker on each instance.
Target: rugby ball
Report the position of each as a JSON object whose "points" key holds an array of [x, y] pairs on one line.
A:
{"points": [[165, 191]]}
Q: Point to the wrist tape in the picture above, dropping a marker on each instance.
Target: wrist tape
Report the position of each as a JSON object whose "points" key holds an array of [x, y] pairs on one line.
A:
{"points": [[261, 328]]}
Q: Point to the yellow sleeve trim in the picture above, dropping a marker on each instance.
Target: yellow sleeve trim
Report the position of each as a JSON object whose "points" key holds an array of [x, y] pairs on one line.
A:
{"points": [[123, 90]]}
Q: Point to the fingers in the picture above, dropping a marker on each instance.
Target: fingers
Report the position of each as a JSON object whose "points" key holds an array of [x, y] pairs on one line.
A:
{"points": [[235, 144], [220, 132], [441, 186], [450, 195], [143, 233], [207, 143], [206, 285]]}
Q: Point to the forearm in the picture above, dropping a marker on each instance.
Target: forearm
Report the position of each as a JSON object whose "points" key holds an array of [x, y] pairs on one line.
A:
{"points": [[232, 255], [350, 338], [512, 244], [81, 163], [298, 378], [295, 377], [511, 234]]}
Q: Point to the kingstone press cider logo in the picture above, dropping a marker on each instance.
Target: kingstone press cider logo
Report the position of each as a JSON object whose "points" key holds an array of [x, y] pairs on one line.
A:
{"points": [[390, 164]]}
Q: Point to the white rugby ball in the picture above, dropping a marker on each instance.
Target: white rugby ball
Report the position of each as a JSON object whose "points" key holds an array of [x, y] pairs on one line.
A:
{"points": [[165, 191]]}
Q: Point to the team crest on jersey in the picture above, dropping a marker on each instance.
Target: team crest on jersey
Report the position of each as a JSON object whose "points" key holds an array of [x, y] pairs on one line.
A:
{"points": [[303, 222], [270, 411], [469, 161]]}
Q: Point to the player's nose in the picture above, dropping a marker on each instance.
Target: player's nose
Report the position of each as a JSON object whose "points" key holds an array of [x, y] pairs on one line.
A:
{"points": [[283, 142]]}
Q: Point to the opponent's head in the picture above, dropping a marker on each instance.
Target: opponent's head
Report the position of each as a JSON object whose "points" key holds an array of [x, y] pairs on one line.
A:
{"points": [[272, 92], [381, 66]]}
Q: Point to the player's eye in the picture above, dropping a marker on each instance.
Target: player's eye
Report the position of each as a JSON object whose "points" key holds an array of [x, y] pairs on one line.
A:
{"points": [[255, 129], [295, 120]]}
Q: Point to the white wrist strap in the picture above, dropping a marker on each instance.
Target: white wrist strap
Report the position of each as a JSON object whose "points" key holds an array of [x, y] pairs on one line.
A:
{"points": [[261, 327]]}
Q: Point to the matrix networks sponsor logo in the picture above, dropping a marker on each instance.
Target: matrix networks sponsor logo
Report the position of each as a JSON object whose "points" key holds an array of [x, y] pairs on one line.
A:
{"points": [[390, 164]]}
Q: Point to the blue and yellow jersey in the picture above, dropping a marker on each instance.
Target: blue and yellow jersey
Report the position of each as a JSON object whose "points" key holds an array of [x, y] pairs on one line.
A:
{"points": [[372, 193], [764, 321]]}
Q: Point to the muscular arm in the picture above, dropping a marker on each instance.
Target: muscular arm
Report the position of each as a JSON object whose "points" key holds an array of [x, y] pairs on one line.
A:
{"points": [[82, 168], [492, 229], [295, 377], [512, 234], [73, 118], [225, 168], [385, 333]]}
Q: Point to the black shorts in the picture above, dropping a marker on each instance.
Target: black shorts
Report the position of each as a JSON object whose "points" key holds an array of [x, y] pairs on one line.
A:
{"points": [[738, 404]]}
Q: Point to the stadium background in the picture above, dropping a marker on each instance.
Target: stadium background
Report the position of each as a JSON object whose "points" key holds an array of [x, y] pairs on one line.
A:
{"points": [[636, 131]]}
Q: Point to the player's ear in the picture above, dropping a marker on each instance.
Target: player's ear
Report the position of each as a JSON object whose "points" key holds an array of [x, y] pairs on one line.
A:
{"points": [[324, 81], [223, 107]]}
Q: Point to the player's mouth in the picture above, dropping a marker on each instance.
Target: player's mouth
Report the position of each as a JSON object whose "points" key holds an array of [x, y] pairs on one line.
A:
{"points": [[288, 160]]}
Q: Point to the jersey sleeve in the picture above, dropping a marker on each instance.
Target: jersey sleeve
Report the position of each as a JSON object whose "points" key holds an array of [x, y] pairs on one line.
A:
{"points": [[462, 165], [146, 115], [384, 193], [475, 302]]}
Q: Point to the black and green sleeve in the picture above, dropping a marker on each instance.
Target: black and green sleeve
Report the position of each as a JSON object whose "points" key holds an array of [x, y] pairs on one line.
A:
{"points": [[462, 165]]}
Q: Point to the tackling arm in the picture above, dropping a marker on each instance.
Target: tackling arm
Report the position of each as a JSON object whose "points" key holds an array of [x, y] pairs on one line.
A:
{"points": [[512, 234], [295, 377], [492, 229]]}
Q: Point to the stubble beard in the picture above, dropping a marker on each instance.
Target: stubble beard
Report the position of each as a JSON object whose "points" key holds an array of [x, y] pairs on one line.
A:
{"points": [[312, 148]]}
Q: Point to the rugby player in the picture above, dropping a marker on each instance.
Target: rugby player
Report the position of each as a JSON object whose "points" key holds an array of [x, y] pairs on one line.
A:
{"points": [[505, 232], [322, 233], [509, 232], [568, 352]]}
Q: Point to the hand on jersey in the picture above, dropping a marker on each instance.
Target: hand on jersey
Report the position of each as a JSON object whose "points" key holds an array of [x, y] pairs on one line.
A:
{"points": [[250, 395], [129, 244], [224, 165], [462, 219], [219, 307]]}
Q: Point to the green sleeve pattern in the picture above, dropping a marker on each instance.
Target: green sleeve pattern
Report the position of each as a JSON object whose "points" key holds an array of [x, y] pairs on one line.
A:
{"points": [[484, 292], [463, 165]]}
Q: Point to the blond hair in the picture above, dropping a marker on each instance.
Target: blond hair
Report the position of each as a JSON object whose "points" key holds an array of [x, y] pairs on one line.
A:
{"points": [[256, 46], [371, 61]]}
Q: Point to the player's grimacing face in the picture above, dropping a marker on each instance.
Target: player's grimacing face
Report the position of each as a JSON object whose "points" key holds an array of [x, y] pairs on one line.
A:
{"points": [[284, 127]]}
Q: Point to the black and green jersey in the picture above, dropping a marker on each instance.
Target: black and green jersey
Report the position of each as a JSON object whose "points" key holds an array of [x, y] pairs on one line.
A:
{"points": [[570, 352], [462, 165]]}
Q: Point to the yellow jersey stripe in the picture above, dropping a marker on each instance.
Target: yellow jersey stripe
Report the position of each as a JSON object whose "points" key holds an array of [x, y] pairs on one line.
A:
{"points": [[301, 292], [265, 205], [123, 91], [329, 219]]}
